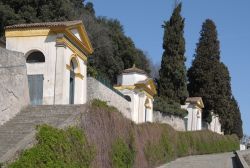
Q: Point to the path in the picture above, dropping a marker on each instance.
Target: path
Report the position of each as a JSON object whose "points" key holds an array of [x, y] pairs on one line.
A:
{"points": [[224, 160]]}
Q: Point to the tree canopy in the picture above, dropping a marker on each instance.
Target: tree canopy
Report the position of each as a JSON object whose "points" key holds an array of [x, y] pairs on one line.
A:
{"points": [[172, 75], [209, 78], [113, 50]]}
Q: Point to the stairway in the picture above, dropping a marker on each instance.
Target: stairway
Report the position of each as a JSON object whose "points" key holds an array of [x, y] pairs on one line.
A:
{"points": [[19, 133]]}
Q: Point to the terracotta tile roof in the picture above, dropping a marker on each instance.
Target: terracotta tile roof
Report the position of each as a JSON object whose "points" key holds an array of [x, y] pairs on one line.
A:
{"points": [[196, 100], [134, 69], [193, 99], [45, 24]]}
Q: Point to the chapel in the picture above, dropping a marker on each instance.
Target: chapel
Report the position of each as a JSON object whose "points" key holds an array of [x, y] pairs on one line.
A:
{"points": [[139, 90], [194, 106], [56, 59]]}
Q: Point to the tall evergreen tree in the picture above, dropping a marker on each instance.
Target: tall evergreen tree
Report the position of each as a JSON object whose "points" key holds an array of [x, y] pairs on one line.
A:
{"points": [[237, 122], [204, 73], [209, 78], [172, 83]]}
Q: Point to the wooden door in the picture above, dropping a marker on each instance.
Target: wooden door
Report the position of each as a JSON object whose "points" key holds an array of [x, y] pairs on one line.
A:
{"points": [[36, 89]]}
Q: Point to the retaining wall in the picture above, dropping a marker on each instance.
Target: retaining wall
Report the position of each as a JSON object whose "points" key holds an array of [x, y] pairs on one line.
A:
{"points": [[97, 90], [14, 92], [176, 122]]}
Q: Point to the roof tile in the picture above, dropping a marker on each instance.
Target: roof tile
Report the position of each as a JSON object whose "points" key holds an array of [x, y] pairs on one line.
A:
{"points": [[45, 24]]}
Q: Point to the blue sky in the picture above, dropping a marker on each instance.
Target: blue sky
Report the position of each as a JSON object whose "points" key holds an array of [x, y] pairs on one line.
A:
{"points": [[142, 20]]}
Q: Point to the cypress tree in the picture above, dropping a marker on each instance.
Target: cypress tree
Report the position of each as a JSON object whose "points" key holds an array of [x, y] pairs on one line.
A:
{"points": [[209, 78], [204, 73], [237, 122], [172, 83]]}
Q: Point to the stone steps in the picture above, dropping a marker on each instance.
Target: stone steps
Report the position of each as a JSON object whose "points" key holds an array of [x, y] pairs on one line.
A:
{"points": [[25, 122]]}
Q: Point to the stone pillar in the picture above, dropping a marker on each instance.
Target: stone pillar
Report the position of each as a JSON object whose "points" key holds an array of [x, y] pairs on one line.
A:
{"points": [[59, 71]]}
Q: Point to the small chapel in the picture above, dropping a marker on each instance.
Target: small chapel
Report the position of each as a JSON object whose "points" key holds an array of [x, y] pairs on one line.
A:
{"points": [[194, 106], [56, 59], [139, 90]]}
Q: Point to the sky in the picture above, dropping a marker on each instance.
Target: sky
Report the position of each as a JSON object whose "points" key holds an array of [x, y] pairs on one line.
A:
{"points": [[142, 20]]}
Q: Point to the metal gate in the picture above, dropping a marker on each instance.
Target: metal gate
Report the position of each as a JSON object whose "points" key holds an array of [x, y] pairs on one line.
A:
{"points": [[36, 89]]}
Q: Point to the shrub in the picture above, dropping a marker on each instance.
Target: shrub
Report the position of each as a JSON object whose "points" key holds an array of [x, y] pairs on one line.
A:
{"points": [[188, 143], [159, 152], [156, 143], [206, 142], [122, 155], [169, 107], [57, 148], [102, 105]]}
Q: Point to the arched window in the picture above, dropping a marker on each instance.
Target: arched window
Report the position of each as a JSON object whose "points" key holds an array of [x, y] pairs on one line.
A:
{"points": [[128, 98], [35, 57]]}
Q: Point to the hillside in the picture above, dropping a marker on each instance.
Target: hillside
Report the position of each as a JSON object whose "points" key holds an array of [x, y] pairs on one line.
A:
{"points": [[104, 138]]}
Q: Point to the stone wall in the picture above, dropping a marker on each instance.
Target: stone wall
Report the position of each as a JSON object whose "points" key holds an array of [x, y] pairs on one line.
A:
{"points": [[176, 122], [14, 93], [97, 90]]}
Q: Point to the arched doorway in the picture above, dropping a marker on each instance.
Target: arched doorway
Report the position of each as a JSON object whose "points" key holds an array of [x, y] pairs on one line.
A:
{"points": [[73, 66], [35, 80]]}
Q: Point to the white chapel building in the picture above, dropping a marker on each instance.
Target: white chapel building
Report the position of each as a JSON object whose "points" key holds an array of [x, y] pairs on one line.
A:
{"points": [[194, 106], [215, 125], [56, 58], [139, 89]]}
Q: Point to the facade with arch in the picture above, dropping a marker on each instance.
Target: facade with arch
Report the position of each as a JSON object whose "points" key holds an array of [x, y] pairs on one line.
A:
{"points": [[139, 90], [56, 58]]}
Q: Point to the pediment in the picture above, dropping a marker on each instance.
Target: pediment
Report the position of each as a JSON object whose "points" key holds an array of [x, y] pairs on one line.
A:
{"points": [[79, 34], [76, 34], [73, 30], [148, 85]]}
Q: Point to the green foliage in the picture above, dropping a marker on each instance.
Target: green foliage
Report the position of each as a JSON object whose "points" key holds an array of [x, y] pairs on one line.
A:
{"points": [[237, 122], [57, 148], [188, 143], [102, 105], [209, 78], [113, 50], [159, 142], [205, 142], [168, 107], [30, 11], [172, 82], [122, 155], [159, 152]]}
